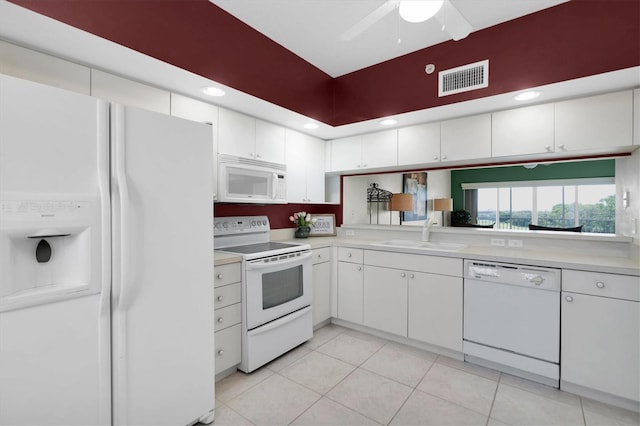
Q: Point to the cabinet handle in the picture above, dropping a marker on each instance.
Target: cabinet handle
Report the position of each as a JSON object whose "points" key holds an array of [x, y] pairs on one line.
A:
{"points": [[364, 165], [547, 148], [411, 276], [359, 268], [349, 255], [220, 276], [561, 147], [220, 352], [569, 299], [220, 298], [435, 157], [600, 284], [319, 256], [403, 275], [220, 320], [258, 156], [444, 157]]}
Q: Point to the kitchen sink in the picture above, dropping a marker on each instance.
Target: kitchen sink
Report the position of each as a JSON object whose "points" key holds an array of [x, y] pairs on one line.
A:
{"points": [[415, 244]]}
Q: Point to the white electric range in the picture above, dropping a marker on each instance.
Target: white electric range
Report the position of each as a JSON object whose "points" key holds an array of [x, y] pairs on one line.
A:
{"points": [[276, 288]]}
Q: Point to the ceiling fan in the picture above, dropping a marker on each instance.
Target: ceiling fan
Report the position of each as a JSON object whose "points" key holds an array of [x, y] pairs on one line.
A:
{"points": [[444, 12]]}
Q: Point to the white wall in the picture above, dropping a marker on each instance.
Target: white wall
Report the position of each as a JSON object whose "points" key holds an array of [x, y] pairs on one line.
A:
{"points": [[356, 209], [628, 180]]}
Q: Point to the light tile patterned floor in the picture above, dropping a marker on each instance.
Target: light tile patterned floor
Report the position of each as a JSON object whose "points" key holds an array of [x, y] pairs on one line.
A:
{"points": [[344, 377]]}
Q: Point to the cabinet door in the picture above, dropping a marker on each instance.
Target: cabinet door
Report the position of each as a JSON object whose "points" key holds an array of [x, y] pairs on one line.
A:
{"points": [[419, 144], [315, 170], [380, 149], [601, 344], [385, 299], [346, 153], [466, 138], [435, 310], [321, 292], [236, 134], [595, 122], [35, 66], [296, 161], [127, 92], [522, 131], [350, 292], [269, 142]]}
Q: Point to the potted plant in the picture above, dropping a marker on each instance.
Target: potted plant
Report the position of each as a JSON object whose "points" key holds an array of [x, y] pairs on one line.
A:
{"points": [[460, 218], [303, 223]]}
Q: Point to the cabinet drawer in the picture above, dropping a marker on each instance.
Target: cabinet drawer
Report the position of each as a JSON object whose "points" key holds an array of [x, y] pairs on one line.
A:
{"points": [[226, 317], [227, 274], [228, 348], [346, 254], [227, 295], [600, 284], [321, 255], [415, 262]]}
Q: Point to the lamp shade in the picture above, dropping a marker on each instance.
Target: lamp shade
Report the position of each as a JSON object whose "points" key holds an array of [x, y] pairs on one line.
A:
{"points": [[443, 204], [401, 202]]}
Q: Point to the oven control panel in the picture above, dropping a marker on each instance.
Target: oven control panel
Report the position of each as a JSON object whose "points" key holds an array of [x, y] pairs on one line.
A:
{"points": [[234, 225]]}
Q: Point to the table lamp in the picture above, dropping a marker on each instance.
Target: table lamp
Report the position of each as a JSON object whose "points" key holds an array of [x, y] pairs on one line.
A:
{"points": [[443, 205], [400, 203]]}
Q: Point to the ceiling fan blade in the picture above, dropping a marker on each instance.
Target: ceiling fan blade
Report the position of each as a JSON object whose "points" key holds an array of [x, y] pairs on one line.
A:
{"points": [[453, 22], [370, 19]]}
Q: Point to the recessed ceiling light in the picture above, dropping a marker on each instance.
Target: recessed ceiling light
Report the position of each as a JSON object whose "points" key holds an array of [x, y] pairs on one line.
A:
{"points": [[310, 126], [213, 91], [389, 122], [526, 96]]}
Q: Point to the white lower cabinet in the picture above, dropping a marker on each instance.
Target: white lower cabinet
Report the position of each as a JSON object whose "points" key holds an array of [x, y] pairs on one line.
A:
{"points": [[350, 285], [227, 294], [600, 333], [435, 310], [321, 285], [415, 296], [385, 299]]}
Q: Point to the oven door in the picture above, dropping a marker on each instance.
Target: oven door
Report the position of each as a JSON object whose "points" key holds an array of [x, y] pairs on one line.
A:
{"points": [[277, 286]]}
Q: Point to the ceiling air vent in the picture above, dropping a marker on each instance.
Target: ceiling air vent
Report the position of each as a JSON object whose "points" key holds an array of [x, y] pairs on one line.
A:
{"points": [[463, 79]]}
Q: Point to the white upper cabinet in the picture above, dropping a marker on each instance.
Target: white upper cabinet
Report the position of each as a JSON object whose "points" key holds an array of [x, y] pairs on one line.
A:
{"points": [[603, 121], [305, 168], [466, 138], [521, 131], [270, 142], [370, 151], [117, 89], [244, 136], [193, 109], [419, 144], [35, 66]]}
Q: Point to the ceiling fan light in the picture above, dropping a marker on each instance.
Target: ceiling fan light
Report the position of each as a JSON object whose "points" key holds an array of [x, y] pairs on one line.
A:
{"points": [[419, 10]]}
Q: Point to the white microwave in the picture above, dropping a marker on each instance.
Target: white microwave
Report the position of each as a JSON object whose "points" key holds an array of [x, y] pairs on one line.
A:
{"points": [[243, 180]]}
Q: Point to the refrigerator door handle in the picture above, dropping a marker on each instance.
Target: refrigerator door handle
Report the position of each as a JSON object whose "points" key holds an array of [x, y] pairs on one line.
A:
{"points": [[124, 204]]}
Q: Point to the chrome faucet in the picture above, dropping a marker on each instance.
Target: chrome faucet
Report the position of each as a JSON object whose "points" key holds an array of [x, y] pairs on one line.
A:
{"points": [[426, 228]]}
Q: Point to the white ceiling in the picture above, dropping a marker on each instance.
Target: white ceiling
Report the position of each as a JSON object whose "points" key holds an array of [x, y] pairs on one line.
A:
{"points": [[312, 28]]}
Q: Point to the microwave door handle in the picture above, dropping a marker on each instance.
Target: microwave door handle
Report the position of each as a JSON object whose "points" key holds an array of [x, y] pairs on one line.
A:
{"points": [[274, 186], [260, 265]]}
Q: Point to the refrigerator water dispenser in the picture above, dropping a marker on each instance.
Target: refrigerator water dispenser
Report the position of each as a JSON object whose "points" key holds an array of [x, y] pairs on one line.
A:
{"points": [[50, 250]]}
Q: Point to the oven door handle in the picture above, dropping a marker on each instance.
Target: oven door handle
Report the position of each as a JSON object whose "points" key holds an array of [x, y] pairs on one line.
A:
{"points": [[280, 321], [257, 265]]}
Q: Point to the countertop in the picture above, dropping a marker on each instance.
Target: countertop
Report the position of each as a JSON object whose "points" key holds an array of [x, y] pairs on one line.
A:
{"points": [[553, 259]]}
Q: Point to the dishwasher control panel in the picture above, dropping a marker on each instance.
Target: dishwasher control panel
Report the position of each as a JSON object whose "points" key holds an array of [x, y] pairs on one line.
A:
{"points": [[513, 274]]}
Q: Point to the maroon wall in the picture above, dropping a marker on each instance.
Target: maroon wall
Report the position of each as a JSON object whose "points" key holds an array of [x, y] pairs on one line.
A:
{"points": [[572, 40], [278, 213]]}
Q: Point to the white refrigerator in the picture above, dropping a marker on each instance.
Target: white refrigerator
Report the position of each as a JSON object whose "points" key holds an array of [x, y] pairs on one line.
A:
{"points": [[106, 262]]}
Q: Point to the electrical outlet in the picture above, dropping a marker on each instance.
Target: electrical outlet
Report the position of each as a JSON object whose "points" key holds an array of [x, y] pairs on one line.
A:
{"points": [[514, 243], [497, 242], [350, 233]]}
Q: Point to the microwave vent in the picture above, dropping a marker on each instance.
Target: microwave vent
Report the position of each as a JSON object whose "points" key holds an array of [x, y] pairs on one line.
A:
{"points": [[464, 78]]}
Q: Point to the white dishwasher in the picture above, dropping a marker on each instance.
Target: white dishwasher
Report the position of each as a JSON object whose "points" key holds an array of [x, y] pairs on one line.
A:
{"points": [[512, 319]]}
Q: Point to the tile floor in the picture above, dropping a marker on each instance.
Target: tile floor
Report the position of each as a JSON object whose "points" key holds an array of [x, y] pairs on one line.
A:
{"points": [[344, 377]]}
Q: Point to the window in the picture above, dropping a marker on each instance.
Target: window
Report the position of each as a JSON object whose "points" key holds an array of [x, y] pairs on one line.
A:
{"points": [[559, 203]]}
